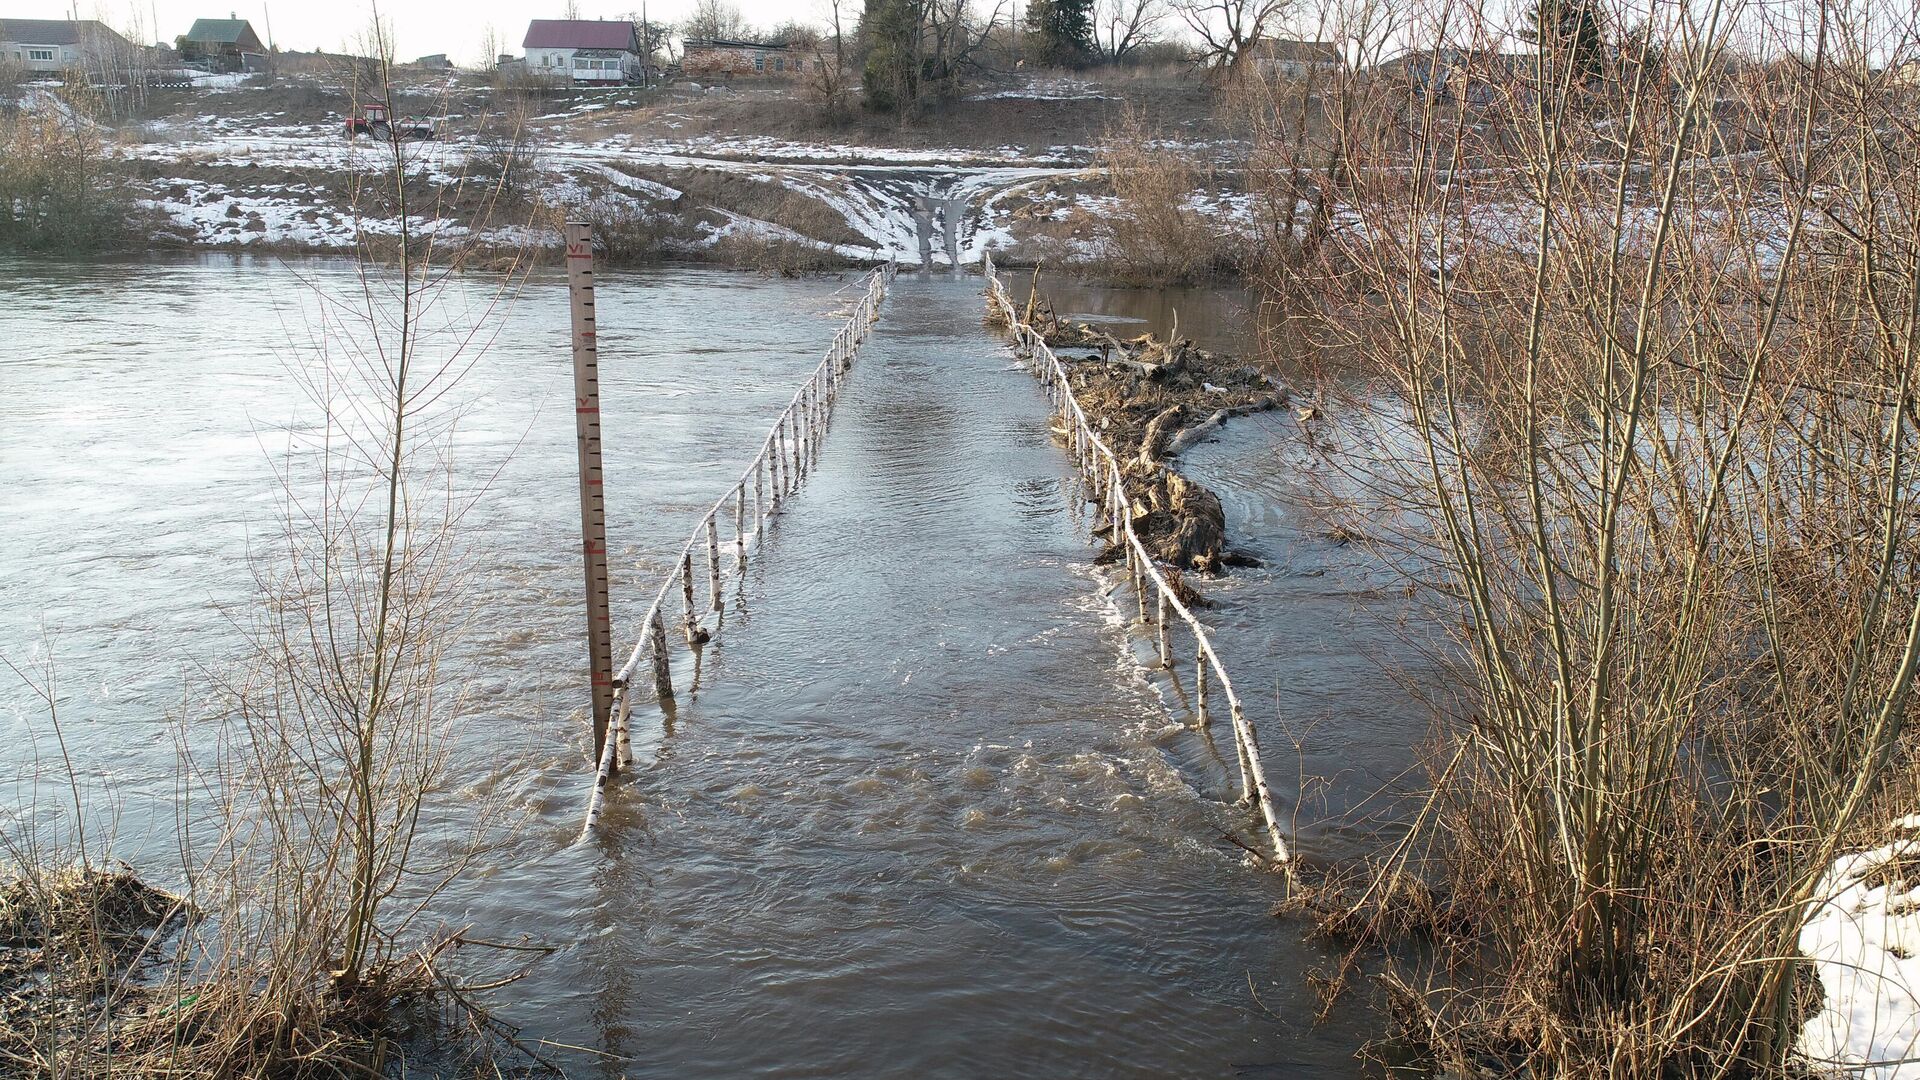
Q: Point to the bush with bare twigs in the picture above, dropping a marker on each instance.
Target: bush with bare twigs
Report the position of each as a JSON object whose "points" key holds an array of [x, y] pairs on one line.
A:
{"points": [[315, 841], [1647, 339], [1157, 235]]}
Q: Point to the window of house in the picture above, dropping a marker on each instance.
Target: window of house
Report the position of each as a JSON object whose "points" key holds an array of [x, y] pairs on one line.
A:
{"points": [[779, 63], [579, 64], [759, 63], [39, 54]]}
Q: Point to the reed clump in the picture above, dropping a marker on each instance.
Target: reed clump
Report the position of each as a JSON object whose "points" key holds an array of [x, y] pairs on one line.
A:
{"points": [[1640, 323]]}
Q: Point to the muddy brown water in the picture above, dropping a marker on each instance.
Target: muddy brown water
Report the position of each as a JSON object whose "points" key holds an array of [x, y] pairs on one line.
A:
{"points": [[926, 814]]}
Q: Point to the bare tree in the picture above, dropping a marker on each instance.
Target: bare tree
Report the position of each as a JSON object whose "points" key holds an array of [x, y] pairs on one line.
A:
{"points": [[490, 48], [1228, 29], [827, 81], [1121, 26], [954, 33], [714, 19]]}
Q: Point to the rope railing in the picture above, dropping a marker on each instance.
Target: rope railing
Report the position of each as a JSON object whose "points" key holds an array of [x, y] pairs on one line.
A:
{"points": [[1105, 480], [785, 458]]}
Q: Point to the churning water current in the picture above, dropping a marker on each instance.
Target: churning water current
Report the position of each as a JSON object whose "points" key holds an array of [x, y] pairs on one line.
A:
{"points": [[925, 814]]}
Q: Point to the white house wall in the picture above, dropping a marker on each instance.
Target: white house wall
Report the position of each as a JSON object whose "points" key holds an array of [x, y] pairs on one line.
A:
{"points": [[22, 53]]}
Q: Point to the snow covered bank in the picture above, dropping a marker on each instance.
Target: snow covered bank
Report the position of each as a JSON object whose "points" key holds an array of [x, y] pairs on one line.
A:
{"points": [[1864, 942]]}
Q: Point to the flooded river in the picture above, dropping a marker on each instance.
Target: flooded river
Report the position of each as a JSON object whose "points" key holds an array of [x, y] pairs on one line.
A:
{"points": [[925, 816]]}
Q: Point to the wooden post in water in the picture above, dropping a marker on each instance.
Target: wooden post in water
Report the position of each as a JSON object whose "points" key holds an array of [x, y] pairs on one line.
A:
{"points": [[686, 591], [793, 469], [662, 663], [713, 563], [1166, 654], [759, 497], [773, 462], [593, 507], [1200, 684], [740, 527]]}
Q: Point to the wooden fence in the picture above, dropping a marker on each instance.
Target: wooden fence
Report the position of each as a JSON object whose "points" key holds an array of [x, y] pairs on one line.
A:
{"points": [[1101, 469], [784, 460]]}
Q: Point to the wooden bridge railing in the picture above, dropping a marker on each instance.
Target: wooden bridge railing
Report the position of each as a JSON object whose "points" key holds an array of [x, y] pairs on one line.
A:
{"points": [[1105, 479], [784, 460]]}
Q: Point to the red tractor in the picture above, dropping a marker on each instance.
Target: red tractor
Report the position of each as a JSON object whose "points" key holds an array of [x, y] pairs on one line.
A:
{"points": [[372, 119]]}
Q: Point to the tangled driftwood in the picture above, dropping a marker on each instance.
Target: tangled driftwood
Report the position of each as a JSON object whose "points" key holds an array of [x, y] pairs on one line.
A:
{"points": [[1153, 398]]}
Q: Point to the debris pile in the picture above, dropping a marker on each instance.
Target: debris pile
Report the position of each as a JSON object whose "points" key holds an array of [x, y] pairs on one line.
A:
{"points": [[1152, 399]]}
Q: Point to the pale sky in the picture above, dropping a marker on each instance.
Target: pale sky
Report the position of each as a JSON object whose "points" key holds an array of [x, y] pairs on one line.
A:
{"points": [[454, 27]]}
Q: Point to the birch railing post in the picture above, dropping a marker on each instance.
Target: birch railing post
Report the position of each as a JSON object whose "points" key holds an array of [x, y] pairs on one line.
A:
{"points": [[686, 586], [623, 712], [795, 471], [782, 472], [775, 444], [1160, 620], [1200, 685], [1106, 488], [740, 527], [713, 563], [785, 457], [662, 660]]}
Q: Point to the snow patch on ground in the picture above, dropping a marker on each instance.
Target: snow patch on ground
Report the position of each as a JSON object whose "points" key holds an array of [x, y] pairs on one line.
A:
{"points": [[1864, 942], [1048, 89]]}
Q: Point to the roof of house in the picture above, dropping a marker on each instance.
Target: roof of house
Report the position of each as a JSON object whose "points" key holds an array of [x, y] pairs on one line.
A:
{"points": [[52, 31], [1304, 52], [580, 34], [731, 43], [222, 31]]}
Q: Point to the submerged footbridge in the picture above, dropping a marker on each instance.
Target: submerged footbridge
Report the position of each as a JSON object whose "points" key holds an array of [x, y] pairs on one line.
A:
{"points": [[688, 607]]}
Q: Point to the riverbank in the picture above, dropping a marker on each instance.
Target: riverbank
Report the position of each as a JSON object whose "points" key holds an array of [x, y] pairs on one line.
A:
{"points": [[746, 177]]}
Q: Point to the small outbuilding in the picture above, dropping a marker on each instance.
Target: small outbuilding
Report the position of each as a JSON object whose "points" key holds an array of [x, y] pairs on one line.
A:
{"points": [[223, 45], [1288, 59], [712, 58]]}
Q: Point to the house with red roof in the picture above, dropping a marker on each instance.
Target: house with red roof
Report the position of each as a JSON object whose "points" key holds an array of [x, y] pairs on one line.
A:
{"points": [[587, 51]]}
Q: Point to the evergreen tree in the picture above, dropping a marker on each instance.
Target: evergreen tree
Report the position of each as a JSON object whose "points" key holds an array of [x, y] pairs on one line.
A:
{"points": [[1570, 31], [891, 76], [1060, 32]]}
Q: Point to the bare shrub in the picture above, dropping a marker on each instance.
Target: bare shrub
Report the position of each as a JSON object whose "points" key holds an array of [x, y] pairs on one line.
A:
{"points": [[506, 152], [58, 185], [1158, 235], [1651, 397]]}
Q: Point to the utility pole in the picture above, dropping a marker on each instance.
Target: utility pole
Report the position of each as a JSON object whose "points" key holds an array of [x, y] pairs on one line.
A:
{"points": [[593, 507]]}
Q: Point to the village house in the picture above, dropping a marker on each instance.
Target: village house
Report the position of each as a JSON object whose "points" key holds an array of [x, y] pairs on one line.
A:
{"points": [[1474, 77], [56, 45], [588, 51], [223, 45], [711, 58], [1285, 59]]}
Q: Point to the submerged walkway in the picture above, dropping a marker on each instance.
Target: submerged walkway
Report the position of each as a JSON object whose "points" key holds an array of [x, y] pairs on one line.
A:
{"points": [[919, 818]]}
